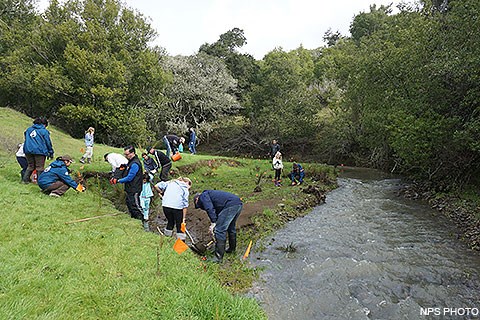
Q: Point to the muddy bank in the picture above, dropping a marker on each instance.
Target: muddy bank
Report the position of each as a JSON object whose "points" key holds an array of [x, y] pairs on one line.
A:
{"points": [[197, 220], [462, 212]]}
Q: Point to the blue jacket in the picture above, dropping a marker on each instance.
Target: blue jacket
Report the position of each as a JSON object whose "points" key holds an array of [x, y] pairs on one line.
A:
{"points": [[193, 137], [56, 171], [214, 201], [37, 141]]}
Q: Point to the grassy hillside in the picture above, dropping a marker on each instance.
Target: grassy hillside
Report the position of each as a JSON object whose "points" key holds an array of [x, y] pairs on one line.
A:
{"points": [[106, 268]]}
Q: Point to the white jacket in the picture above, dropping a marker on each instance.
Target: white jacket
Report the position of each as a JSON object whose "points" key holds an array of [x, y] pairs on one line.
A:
{"points": [[277, 164], [116, 160]]}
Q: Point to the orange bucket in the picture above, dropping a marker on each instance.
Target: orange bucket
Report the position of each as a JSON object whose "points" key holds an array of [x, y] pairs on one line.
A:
{"points": [[176, 156]]}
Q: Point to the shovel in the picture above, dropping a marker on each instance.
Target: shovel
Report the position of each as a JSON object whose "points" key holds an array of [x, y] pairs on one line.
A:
{"points": [[197, 248]]}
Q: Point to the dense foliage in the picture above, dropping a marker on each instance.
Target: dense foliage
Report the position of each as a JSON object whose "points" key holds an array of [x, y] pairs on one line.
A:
{"points": [[400, 93], [410, 90], [83, 63]]}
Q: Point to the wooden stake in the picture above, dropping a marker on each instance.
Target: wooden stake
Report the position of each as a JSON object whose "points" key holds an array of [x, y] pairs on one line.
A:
{"points": [[160, 245], [247, 252], [91, 218], [161, 233]]}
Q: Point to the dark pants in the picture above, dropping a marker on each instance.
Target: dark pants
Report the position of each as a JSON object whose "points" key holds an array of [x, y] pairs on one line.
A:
{"points": [[278, 173], [35, 162], [57, 187], [134, 206], [174, 218], [226, 222], [165, 170], [119, 173], [22, 161], [191, 147]]}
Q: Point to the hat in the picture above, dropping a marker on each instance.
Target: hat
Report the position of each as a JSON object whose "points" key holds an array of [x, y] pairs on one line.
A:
{"points": [[66, 158], [186, 180], [195, 198]]}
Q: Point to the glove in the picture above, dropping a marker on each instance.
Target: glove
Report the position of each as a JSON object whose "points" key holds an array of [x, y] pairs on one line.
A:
{"points": [[113, 181], [212, 227], [183, 227], [80, 188]]}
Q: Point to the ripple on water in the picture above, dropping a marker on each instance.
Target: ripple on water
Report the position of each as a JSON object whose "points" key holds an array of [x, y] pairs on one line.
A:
{"points": [[366, 254]]}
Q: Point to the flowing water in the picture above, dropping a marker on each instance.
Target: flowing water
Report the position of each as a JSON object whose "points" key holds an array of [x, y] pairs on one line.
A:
{"points": [[368, 254]]}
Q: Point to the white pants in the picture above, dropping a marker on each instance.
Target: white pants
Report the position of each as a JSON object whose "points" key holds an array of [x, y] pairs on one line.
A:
{"points": [[89, 153]]}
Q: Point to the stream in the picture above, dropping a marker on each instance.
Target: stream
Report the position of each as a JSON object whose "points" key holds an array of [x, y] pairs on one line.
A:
{"points": [[368, 253]]}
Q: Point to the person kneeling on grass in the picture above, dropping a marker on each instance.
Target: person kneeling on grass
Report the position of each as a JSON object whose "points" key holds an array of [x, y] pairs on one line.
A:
{"points": [[297, 173], [55, 179], [223, 209]]}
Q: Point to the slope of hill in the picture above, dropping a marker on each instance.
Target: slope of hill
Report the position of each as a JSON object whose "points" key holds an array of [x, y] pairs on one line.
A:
{"points": [[107, 268]]}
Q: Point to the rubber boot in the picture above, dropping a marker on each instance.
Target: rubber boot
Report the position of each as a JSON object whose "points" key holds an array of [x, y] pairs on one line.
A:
{"points": [[26, 176], [232, 243], [182, 236], [146, 225], [219, 251]]}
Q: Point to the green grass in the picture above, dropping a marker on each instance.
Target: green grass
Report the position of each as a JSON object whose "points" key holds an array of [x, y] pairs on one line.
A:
{"points": [[107, 268]]}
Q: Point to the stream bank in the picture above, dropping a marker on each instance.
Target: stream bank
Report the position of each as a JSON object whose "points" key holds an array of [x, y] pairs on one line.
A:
{"points": [[367, 253], [252, 221], [464, 213]]}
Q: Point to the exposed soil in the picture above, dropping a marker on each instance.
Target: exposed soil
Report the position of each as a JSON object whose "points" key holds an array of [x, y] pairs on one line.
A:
{"points": [[198, 222]]}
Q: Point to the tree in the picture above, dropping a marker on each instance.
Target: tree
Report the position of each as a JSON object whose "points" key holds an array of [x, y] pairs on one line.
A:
{"points": [[17, 20], [227, 44], [242, 67], [408, 91], [331, 38], [285, 100], [366, 24], [199, 96], [91, 55]]}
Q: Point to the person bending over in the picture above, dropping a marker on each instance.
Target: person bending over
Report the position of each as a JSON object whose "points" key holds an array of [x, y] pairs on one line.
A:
{"points": [[223, 209]]}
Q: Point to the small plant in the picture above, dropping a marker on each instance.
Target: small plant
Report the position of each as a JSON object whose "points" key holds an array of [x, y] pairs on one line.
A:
{"points": [[290, 248]]}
